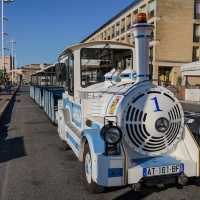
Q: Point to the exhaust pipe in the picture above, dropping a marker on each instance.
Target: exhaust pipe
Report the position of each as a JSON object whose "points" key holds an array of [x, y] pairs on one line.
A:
{"points": [[142, 33]]}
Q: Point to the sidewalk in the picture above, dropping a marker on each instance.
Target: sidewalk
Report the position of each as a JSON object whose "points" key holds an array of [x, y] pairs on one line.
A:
{"points": [[190, 106], [5, 99]]}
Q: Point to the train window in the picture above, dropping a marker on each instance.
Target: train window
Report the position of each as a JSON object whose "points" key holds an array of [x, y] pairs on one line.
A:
{"points": [[95, 63]]}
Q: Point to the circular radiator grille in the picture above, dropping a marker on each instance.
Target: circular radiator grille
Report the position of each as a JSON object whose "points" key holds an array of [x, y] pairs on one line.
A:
{"points": [[137, 117]]}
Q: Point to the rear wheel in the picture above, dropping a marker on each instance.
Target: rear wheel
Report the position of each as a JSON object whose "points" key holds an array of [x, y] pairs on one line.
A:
{"points": [[90, 185]]}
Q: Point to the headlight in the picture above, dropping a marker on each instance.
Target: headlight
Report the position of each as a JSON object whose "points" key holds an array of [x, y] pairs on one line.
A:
{"points": [[111, 134], [162, 125]]}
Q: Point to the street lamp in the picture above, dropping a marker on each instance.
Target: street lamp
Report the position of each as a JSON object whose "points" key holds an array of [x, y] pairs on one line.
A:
{"points": [[12, 42], [2, 33]]}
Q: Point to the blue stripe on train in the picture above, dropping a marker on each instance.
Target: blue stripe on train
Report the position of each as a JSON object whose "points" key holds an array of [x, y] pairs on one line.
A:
{"points": [[115, 172], [156, 161], [73, 141]]}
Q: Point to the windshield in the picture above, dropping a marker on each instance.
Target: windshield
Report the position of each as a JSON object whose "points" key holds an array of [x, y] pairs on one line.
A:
{"points": [[95, 63]]}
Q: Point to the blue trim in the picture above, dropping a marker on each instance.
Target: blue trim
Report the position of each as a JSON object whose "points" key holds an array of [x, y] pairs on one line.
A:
{"points": [[76, 114], [142, 36], [74, 109], [142, 75], [95, 125], [115, 172], [156, 161], [73, 141]]}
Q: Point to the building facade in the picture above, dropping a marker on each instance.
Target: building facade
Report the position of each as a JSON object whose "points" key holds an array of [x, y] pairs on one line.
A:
{"points": [[191, 75], [24, 73], [7, 63], [175, 40]]}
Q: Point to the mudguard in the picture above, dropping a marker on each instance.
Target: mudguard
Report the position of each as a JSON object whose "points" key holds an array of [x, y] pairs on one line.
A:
{"points": [[95, 142], [96, 146]]}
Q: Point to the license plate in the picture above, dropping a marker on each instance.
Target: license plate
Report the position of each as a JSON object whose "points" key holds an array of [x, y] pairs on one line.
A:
{"points": [[163, 170]]}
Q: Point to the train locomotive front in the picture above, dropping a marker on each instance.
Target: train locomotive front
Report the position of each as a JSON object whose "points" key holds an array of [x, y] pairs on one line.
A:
{"points": [[127, 130], [143, 128]]}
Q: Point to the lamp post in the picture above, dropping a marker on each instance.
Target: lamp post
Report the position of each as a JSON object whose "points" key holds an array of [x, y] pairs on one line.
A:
{"points": [[2, 33], [12, 42]]}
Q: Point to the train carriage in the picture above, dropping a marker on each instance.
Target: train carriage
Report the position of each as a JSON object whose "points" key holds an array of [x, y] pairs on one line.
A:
{"points": [[124, 129], [46, 89]]}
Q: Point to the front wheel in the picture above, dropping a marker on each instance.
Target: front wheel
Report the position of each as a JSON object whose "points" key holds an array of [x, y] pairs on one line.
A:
{"points": [[90, 185]]}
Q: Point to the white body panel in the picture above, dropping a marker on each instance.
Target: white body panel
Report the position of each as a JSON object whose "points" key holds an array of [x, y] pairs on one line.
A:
{"points": [[90, 107]]}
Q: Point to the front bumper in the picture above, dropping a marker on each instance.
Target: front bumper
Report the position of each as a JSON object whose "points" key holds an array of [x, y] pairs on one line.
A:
{"points": [[111, 170]]}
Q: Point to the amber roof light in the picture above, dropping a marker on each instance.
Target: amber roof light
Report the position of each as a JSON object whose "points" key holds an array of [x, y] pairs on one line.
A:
{"points": [[141, 18]]}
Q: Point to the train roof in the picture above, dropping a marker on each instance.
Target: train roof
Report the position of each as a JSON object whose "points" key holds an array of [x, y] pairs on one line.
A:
{"points": [[87, 44], [49, 69]]}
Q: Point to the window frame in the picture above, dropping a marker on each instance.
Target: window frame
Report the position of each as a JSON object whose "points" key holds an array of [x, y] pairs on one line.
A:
{"points": [[70, 82], [196, 38], [195, 52], [196, 14], [87, 85]]}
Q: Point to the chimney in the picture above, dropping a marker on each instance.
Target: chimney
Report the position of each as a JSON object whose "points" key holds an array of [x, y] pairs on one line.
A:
{"points": [[142, 32]]}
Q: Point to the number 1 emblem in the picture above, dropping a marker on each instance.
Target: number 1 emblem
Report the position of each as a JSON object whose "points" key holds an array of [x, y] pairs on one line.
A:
{"points": [[156, 103]]}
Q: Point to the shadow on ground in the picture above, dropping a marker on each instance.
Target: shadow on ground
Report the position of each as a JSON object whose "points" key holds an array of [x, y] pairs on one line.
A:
{"points": [[139, 195], [148, 191], [10, 148]]}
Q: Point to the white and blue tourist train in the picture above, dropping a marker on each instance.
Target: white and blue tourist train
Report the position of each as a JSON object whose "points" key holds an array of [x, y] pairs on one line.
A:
{"points": [[46, 89], [124, 129]]}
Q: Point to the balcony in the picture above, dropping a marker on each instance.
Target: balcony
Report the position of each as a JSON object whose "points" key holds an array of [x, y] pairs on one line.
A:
{"points": [[117, 33], [197, 16], [122, 29], [196, 39], [128, 26], [195, 58], [195, 54]]}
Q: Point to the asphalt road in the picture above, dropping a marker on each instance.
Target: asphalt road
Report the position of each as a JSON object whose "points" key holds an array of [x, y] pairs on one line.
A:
{"points": [[34, 166]]}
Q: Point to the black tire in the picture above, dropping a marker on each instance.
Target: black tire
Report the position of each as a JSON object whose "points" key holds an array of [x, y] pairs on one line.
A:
{"points": [[91, 187]]}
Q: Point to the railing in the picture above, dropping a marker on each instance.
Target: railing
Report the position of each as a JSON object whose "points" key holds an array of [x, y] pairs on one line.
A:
{"points": [[122, 29], [196, 38], [197, 16], [128, 26]]}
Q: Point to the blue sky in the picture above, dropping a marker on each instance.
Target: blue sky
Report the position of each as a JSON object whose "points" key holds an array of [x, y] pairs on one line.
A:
{"points": [[43, 28]]}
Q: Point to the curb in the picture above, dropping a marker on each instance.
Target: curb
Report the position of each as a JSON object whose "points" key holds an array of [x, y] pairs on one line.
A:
{"points": [[3, 109]]}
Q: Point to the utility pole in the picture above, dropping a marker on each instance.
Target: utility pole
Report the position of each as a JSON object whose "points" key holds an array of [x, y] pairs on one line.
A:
{"points": [[12, 59], [2, 34]]}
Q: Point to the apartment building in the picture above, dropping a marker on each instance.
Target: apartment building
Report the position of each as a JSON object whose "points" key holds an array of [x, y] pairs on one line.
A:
{"points": [[174, 42], [8, 62], [26, 71]]}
